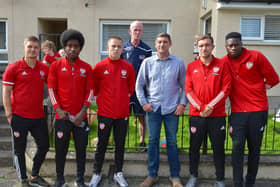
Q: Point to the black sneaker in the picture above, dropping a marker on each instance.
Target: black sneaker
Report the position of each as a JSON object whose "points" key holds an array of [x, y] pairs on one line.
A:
{"points": [[39, 182], [142, 147], [25, 183], [80, 184]]}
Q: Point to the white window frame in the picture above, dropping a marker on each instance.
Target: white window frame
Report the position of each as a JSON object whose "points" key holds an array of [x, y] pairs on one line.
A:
{"points": [[120, 22], [204, 4], [261, 38], [261, 18], [5, 51], [204, 23]]}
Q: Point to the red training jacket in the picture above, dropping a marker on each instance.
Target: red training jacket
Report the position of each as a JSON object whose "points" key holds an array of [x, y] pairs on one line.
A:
{"points": [[51, 59], [28, 88], [70, 87], [250, 72], [207, 85], [114, 82]]}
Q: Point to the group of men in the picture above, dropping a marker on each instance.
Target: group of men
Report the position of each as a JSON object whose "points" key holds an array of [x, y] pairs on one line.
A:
{"points": [[162, 87]]}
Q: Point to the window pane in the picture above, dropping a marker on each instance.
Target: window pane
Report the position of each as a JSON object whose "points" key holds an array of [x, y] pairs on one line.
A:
{"points": [[204, 4], [251, 27], [104, 56], [208, 25], [114, 30], [272, 28], [150, 32], [3, 35], [4, 57], [149, 35]]}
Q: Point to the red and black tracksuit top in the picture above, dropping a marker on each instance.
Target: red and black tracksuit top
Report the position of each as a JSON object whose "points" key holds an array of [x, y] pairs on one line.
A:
{"points": [[50, 59], [114, 82], [28, 88], [207, 85], [250, 73], [70, 86]]}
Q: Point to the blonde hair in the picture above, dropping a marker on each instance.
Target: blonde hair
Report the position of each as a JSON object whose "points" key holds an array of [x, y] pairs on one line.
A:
{"points": [[49, 44]]}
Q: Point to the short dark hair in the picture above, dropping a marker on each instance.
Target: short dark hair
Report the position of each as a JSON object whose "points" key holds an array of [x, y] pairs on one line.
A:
{"points": [[31, 39], [115, 37], [72, 34], [234, 35], [203, 37], [165, 35]]}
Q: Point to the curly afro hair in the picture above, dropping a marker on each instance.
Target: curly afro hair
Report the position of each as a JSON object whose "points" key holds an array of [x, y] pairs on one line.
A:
{"points": [[72, 34]]}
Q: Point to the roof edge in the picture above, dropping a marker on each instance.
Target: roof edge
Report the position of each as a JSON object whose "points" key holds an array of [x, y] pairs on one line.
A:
{"points": [[253, 6]]}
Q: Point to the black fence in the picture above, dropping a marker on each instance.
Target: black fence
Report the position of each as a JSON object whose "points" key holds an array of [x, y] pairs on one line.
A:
{"points": [[270, 144]]}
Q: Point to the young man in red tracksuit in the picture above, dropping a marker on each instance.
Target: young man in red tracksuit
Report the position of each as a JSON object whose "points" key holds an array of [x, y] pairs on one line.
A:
{"points": [[114, 81], [23, 88], [48, 47], [207, 85], [69, 86], [252, 74]]}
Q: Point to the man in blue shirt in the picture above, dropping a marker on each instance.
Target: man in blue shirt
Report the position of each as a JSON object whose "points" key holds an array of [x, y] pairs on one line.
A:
{"points": [[160, 91], [135, 51]]}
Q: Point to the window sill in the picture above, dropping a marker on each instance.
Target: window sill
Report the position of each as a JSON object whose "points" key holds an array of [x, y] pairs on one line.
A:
{"points": [[261, 43]]}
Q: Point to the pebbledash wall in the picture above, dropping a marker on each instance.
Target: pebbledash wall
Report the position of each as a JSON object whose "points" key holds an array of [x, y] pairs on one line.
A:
{"points": [[24, 16], [182, 19]]}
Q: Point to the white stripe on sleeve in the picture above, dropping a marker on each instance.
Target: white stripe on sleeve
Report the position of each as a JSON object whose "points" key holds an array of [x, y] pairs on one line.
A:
{"points": [[192, 101], [52, 97], [6, 82], [90, 96], [218, 98]]}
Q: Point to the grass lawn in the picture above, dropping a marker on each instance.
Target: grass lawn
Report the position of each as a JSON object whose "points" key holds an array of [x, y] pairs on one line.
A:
{"points": [[270, 145]]}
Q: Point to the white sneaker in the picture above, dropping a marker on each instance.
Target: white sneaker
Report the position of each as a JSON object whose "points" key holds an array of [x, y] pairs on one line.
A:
{"points": [[220, 184], [192, 182], [119, 178], [95, 180]]}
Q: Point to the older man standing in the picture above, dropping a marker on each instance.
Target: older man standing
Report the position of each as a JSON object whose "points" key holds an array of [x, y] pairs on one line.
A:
{"points": [[160, 91], [134, 52]]}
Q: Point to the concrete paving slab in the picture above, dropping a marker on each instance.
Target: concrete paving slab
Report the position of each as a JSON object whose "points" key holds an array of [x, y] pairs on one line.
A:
{"points": [[8, 178]]}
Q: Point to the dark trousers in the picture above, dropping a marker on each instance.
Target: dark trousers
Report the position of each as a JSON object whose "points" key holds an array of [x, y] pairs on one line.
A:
{"points": [[215, 127], [39, 131], [246, 126], [104, 129], [63, 129]]}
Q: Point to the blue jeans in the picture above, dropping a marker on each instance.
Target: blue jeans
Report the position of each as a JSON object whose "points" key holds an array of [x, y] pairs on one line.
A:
{"points": [[154, 120]]}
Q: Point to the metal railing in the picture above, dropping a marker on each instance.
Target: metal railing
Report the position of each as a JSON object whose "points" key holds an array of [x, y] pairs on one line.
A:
{"points": [[270, 143]]}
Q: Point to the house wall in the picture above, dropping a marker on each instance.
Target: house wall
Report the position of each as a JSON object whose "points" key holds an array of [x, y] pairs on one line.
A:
{"points": [[229, 20], [185, 19], [23, 20]]}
